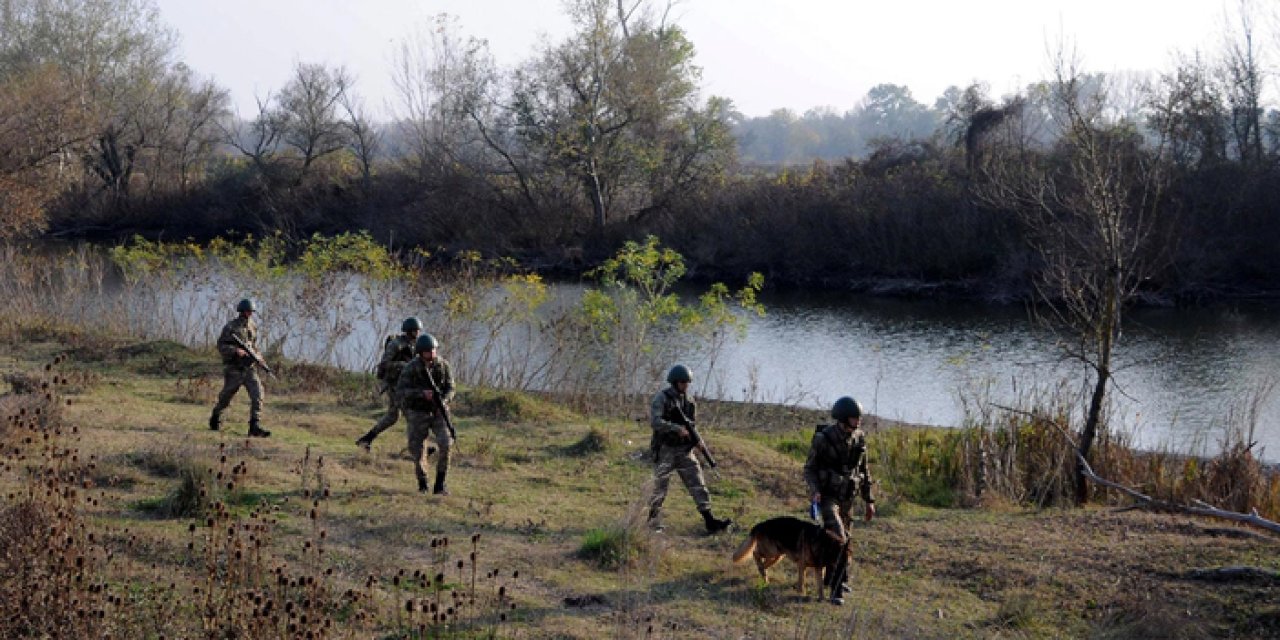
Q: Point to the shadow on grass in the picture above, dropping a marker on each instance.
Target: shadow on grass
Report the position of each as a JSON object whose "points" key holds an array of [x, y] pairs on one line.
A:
{"points": [[633, 606]]}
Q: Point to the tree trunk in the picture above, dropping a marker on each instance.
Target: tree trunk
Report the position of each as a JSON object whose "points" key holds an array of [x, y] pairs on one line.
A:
{"points": [[1108, 330], [596, 192], [1090, 432]]}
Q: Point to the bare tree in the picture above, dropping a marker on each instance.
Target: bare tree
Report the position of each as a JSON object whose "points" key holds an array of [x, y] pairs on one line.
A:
{"points": [[1243, 85], [442, 80], [295, 128], [257, 139], [308, 108], [1188, 108], [195, 136], [1088, 209], [363, 136], [455, 131]]}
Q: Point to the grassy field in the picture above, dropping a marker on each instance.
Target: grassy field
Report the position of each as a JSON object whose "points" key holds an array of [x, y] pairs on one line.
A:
{"points": [[544, 527]]}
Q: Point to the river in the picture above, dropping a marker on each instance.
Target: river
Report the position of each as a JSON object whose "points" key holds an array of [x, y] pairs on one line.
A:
{"points": [[1182, 374]]}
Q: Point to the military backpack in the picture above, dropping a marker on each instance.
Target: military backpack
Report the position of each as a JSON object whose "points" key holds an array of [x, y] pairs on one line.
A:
{"points": [[389, 370]]}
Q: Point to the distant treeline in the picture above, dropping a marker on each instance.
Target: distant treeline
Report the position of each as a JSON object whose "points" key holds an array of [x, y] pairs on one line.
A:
{"points": [[888, 112], [603, 137]]}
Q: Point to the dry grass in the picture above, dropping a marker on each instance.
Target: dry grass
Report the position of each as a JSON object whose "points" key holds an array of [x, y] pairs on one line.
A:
{"points": [[310, 524]]}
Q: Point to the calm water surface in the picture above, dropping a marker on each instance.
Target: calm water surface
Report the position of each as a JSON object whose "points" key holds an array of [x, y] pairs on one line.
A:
{"points": [[1183, 373]]}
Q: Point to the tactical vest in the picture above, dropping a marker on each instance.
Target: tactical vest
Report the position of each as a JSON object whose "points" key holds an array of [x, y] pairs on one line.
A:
{"points": [[247, 331], [420, 373], [673, 413], [838, 463]]}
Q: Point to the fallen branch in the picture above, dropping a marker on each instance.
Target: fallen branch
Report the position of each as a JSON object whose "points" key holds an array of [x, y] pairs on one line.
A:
{"points": [[1204, 509], [1146, 501]]}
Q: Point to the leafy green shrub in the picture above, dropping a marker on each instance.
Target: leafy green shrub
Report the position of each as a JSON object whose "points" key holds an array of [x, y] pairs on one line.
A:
{"points": [[303, 377], [1017, 611], [613, 547], [498, 405], [189, 499], [595, 441], [636, 300]]}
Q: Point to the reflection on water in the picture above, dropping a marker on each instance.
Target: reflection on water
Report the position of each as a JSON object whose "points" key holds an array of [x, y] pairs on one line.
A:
{"points": [[1181, 372]]}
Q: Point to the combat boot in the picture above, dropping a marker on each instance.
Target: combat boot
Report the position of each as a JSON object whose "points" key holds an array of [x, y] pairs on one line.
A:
{"points": [[440, 489], [655, 520], [215, 421], [714, 524], [837, 581], [256, 431], [838, 592], [365, 441]]}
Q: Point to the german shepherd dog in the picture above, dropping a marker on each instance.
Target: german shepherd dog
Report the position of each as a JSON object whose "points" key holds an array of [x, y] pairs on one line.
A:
{"points": [[807, 544]]}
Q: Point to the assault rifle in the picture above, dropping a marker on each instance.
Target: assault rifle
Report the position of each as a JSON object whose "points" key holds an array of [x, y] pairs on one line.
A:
{"points": [[699, 443], [253, 354], [438, 399]]}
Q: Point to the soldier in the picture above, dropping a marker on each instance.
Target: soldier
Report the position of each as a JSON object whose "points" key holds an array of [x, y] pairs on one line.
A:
{"points": [[395, 356], [837, 469], [240, 367], [670, 412], [425, 388]]}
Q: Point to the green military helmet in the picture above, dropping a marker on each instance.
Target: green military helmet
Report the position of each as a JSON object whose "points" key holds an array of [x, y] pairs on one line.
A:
{"points": [[246, 305], [410, 324], [679, 373], [426, 342], [846, 408]]}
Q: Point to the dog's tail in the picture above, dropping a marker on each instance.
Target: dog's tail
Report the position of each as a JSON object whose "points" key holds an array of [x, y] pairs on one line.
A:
{"points": [[745, 550]]}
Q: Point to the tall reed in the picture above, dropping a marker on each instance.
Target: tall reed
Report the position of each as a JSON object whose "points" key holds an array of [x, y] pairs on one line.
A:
{"points": [[1024, 453], [331, 300]]}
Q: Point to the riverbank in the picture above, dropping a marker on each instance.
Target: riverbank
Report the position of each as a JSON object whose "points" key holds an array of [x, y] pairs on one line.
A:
{"points": [[546, 489], [1187, 375]]}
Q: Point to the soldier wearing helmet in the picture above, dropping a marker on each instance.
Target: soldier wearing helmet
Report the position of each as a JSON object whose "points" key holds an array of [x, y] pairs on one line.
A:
{"points": [[423, 381], [397, 352], [672, 445], [836, 470], [239, 368]]}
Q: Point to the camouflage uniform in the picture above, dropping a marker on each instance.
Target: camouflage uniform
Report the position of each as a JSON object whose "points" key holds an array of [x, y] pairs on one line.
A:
{"points": [[422, 416], [396, 356], [238, 372], [671, 452], [837, 469]]}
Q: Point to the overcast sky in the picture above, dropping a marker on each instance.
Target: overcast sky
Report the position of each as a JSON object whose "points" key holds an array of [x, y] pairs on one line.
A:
{"points": [[762, 54]]}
